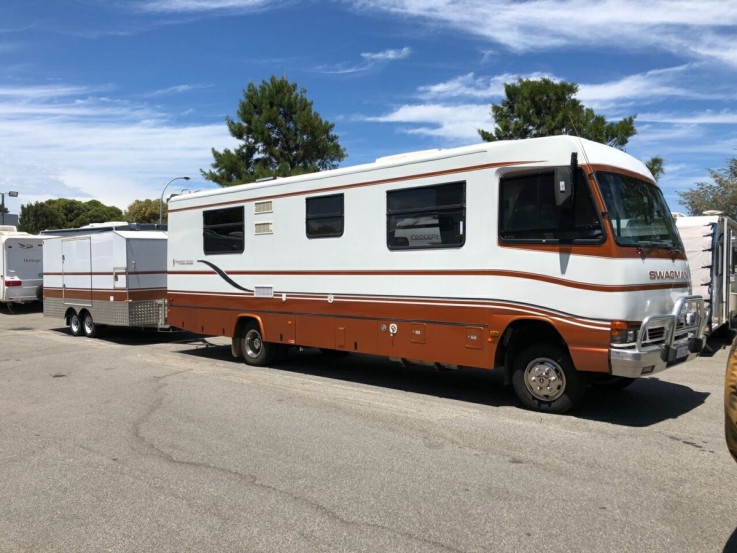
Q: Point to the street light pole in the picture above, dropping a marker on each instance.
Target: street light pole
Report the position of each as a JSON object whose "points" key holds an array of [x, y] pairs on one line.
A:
{"points": [[161, 201], [12, 194]]}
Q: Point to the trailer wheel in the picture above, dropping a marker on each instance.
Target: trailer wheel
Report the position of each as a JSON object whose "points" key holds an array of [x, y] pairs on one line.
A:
{"points": [[545, 379], [256, 352], [90, 330], [75, 324]]}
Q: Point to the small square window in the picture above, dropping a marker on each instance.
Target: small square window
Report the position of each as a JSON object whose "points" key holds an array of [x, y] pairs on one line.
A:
{"points": [[325, 216], [222, 230]]}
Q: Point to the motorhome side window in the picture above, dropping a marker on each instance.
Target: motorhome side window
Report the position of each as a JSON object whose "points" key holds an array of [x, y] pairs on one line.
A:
{"points": [[426, 217], [325, 217], [528, 211], [222, 230]]}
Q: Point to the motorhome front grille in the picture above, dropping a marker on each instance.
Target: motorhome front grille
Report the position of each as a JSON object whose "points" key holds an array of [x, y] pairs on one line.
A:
{"points": [[655, 334]]}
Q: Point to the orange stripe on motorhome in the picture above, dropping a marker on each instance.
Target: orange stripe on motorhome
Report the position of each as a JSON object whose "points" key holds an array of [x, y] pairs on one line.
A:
{"points": [[674, 285]]}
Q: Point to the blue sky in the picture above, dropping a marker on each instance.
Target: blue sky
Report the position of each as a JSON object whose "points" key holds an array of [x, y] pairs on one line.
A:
{"points": [[111, 99]]}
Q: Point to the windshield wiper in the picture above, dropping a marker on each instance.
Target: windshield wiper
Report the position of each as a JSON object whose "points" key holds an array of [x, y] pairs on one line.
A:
{"points": [[647, 245]]}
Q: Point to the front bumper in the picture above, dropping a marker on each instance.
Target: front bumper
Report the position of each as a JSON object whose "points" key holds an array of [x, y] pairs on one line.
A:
{"points": [[682, 339]]}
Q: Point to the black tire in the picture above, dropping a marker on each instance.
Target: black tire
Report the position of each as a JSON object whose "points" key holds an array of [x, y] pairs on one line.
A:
{"points": [[88, 325], [255, 351], [75, 324], [545, 379]]}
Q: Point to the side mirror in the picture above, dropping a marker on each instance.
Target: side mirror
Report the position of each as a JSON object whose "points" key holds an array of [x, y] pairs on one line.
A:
{"points": [[564, 181]]}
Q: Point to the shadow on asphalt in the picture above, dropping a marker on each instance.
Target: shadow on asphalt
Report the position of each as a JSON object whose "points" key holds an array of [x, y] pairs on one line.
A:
{"points": [[21, 308], [718, 341], [731, 545], [644, 403], [468, 385], [127, 336]]}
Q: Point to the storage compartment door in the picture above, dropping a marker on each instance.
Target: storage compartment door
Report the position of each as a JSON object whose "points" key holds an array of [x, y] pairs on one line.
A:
{"points": [[76, 270]]}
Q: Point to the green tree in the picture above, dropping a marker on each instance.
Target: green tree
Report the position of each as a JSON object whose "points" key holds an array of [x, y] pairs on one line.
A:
{"points": [[143, 211], [281, 135], [64, 213], [655, 164], [97, 212], [541, 107], [39, 216], [721, 194]]}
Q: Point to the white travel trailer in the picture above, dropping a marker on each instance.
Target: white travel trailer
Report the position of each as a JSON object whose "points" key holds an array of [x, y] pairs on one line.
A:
{"points": [[710, 247], [21, 266], [113, 274], [554, 258]]}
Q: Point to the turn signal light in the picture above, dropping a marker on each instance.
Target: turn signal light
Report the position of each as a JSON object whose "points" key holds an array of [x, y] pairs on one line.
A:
{"points": [[624, 332]]}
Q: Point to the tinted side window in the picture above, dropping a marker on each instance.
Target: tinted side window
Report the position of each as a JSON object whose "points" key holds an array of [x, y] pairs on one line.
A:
{"points": [[426, 217], [528, 212], [222, 230], [325, 216]]}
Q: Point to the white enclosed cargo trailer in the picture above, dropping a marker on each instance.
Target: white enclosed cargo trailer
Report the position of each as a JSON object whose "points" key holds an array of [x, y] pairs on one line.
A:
{"points": [[105, 275], [554, 258], [21, 266], [710, 247]]}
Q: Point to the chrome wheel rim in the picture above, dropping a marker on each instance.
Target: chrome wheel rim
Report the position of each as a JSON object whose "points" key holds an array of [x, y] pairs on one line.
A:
{"points": [[74, 323], [89, 326], [545, 379], [252, 343]]}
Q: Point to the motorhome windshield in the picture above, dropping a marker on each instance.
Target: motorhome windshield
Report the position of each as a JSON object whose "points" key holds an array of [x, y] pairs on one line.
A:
{"points": [[638, 212]]}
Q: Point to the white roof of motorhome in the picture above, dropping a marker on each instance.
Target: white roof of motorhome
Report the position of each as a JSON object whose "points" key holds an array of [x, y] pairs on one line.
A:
{"points": [[531, 152]]}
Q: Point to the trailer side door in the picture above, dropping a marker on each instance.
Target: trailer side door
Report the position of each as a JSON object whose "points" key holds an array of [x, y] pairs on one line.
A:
{"points": [[76, 270]]}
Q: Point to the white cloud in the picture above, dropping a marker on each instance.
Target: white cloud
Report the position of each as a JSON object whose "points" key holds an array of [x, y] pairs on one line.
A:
{"points": [[193, 6], [453, 123], [654, 85], [370, 60], [703, 30], [607, 98], [470, 86], [172, 90], [708, 117], [58, 144], [387, 55]]}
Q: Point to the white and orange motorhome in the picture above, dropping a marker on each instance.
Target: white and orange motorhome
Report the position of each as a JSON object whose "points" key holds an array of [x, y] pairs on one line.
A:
{"points": [[555, 258]]}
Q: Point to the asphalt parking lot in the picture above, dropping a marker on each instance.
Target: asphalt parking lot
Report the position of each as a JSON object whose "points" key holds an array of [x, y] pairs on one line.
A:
{"points": [[162, 442]]}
